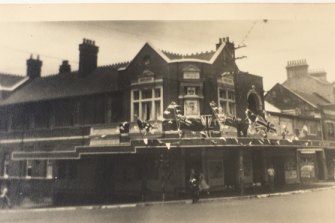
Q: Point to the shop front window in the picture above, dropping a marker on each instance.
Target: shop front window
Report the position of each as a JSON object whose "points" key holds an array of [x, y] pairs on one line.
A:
{"points": [[49, 169], [29, 168], [6, 166]]}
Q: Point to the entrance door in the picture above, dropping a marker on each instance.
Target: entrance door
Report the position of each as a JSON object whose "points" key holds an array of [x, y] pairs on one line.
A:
{"points": [[278, 164], [231, 168], [193, 161], [258, 166]]}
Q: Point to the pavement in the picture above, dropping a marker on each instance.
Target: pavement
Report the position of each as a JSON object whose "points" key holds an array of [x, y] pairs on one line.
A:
{"points": [[214, 197]]}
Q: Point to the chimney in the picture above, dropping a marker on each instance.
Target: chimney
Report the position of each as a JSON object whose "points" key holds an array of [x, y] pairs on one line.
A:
{"points": [[320, 74], [219, 43], [65, 67], [88, 56], [34, 67], [296, 69]]}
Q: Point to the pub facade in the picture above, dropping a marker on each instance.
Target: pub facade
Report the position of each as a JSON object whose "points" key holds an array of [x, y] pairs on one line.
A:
{"points": [[132, 131]]}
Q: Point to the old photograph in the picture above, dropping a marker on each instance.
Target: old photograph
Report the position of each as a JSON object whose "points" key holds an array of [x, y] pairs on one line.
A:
{"points": [[167, 113]]}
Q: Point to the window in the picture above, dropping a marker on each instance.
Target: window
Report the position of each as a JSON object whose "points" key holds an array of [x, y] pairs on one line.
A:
{"points": [[29, 168], [108, 111], [146, 103], [191, 75], [6, 165], [191, 72], [330, 130], [190, 90], [191, 108], [227, 101], [48, 173]]}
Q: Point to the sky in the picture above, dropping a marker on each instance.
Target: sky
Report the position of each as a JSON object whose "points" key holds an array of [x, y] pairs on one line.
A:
{"points": [[269, 43]]}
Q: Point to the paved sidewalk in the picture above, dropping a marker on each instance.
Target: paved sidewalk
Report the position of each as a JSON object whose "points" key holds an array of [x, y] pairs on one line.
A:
{"points": [[284, 191]]}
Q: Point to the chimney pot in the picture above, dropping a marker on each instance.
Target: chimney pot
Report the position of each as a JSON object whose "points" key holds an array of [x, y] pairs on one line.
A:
{"points": [[65, 67], [34, 67], [88, 56]]}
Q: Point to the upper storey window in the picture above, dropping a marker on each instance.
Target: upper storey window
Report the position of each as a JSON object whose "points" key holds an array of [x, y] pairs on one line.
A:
{"points": [[227, 100], [147, 103], [191, 72]]}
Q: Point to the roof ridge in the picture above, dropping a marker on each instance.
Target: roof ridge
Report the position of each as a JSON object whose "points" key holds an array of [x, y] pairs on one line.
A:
{"points": [[299, 95], [321, 97], [189, 54], [317, 79], [13, 75]]}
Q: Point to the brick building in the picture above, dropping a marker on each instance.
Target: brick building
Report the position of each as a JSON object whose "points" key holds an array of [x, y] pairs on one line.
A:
{"points": [[306, 113], [61, 135]]}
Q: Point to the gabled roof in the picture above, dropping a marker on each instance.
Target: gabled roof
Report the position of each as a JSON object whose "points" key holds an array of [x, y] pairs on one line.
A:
{"points": [[207, 57], [270, 107], [200, 56], [313, 99], [8, 82], [103, 79]]}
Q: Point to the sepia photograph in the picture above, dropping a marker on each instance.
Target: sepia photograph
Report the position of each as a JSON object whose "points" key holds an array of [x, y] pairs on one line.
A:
{"points": [[167, 113]]}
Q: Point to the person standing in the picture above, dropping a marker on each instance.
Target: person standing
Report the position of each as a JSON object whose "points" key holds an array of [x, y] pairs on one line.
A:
{"points": [[4, 198], [194, 184], [203, 185], [271, 175]]}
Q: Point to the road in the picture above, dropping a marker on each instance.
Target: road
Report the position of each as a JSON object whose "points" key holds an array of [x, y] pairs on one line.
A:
{"points": [[314, 207]]}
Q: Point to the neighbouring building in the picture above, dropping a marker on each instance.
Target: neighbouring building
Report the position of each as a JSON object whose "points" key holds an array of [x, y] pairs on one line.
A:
{"points": [[9, 83], [74, 136], [299, 76], [308, 116]]}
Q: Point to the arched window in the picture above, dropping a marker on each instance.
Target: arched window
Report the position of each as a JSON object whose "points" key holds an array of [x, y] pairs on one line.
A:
{"points": [[254, 101]]}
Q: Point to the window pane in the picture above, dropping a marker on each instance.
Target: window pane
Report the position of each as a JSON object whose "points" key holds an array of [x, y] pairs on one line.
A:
{"points": [[231, 95], [146, 111], [136, 95], [222, 93], [232, 108], [157, 110], [223, 105], [147, 93], [136, 110], [157, 92]]}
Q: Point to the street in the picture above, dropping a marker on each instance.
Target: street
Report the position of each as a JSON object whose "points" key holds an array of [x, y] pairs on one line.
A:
{"points": [[307, 207]]}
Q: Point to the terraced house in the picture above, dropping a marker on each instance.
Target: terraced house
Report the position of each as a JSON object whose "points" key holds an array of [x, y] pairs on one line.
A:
{"points": [[75, 135]]}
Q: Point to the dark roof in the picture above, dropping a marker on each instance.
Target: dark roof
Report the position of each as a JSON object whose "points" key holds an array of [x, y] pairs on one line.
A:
{"points": [[200, 56], [313, 98], [103, 79], [8, 80]]}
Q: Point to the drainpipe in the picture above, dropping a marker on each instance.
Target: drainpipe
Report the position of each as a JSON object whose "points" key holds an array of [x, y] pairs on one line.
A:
{"points": [[241, 170], [323, 153]]}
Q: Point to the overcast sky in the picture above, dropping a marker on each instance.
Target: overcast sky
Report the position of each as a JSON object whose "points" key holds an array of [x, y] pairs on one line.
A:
{"points": [[269, 44]]}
